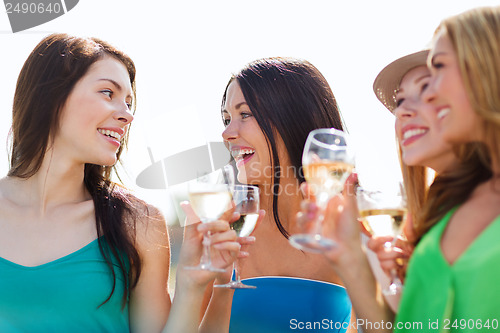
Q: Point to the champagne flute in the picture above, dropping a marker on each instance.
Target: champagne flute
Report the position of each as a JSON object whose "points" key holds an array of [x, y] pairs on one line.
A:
{"points": [[383, 214], [210, 196], [327, 162], [246, 200]]}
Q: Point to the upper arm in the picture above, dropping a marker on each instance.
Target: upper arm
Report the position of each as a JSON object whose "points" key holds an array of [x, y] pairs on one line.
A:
{"points": [[150, 299]]}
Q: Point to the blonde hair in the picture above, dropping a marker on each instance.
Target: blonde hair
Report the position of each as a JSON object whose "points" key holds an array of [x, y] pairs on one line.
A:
{"points": [[415, 180], [475, 36]]}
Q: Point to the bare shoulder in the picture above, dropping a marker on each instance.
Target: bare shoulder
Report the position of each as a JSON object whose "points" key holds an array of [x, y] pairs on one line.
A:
{"points": [[4, 202], [11, 196], [6, 189], [148, 224]]}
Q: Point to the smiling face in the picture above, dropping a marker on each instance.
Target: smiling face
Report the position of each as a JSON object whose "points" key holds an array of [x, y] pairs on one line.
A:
{"points": [[458, 121], [417, 125], [96, 115], [246, 140]]}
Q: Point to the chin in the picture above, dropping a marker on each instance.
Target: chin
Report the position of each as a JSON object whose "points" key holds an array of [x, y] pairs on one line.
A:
{"points": [[107, 161], [242, 177], [411, 160]]}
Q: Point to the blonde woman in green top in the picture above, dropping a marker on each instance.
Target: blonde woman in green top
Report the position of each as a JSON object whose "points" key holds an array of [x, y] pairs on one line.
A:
{"points": [[452, 280], [463, 247], [424, 303]]}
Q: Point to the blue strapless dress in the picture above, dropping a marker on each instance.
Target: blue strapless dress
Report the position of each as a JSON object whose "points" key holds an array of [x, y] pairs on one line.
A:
{"points": [[287, 304]]}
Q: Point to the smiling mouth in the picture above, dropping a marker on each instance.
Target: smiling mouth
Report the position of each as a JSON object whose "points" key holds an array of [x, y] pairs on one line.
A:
{"points": [[443, 113], [413, 132], [242, 154], [110, 134]]}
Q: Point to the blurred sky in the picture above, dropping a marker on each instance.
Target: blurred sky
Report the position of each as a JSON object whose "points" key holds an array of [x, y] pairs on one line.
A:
{"points": [[185, 52]]}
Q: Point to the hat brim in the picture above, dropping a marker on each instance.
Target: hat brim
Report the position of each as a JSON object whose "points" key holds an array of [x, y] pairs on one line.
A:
{"points": [[387, 81]]}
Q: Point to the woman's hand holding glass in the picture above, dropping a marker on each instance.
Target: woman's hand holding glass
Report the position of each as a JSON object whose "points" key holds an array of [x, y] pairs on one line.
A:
{"points": [[340, 222], [327, 162], [394, 258], [224, 244], [210, 196], [246, 199], [383, 214]]}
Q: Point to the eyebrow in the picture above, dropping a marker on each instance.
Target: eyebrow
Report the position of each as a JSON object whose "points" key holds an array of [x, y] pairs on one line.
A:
{"points": [[240, 104], [436, 55], [237, 106], [422, 77], [397, 91], [116, 84]]}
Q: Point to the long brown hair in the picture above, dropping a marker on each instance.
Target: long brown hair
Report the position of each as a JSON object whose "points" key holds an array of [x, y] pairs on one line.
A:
{"points": [[475, 36], [288, 97], [453, 187], [47, 78]]}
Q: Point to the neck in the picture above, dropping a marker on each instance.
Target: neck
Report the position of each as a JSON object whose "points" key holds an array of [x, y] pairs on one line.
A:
{"points": [[288, 203], [57, 182], [495, 167]]}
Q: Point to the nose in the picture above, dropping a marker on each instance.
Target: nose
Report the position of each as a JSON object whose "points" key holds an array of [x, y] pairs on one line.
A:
{"points": [[231, 132], [124, 114], [405, 110], [429, 94]]}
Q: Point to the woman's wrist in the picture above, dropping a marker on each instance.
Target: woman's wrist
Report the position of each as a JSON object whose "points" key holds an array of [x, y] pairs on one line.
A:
{"points": [[351, 262]]}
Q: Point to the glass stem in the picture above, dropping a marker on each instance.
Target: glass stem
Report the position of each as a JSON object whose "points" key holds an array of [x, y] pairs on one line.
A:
{"points": [[205, 257], [321, 202], [395, 280], [236, 268]]}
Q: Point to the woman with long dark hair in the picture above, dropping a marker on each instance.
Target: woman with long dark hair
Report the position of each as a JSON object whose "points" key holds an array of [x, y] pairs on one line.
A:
{"points": [[268, 108], [78, 252]]}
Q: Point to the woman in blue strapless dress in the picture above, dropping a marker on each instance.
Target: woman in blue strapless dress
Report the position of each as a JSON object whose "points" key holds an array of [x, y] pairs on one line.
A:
{"points": [[268, 109]]}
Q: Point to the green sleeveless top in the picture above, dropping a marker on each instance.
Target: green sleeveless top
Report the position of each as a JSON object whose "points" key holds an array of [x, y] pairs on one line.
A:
{"points": [[463, 297], [64, 295]]}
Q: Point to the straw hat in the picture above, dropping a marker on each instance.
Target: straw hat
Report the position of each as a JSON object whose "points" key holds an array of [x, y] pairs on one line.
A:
{"points": [[387, 81]]}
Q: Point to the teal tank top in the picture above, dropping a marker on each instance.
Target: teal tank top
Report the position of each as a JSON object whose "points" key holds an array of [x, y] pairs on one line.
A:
{"points": [[64, 295]]}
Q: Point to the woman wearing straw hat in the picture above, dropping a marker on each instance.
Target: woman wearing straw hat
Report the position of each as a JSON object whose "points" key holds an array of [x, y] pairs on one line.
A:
{"points": [[400, 88]]}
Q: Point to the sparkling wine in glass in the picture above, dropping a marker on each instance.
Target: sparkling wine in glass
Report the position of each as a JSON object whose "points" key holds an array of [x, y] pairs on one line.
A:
{"points": [[246, 200], [210, 196], [327, 162], [383, 222], [383, 214]]}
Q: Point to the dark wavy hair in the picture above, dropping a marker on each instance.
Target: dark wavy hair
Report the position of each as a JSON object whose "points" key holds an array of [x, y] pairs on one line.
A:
{"points": [[46, 80], [288, 98]]}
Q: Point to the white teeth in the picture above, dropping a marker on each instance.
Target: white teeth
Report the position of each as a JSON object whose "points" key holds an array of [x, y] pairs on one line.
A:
{"points": [[247, 151], [112, 134], [239, 153], [413, 132], [443, 113]]}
